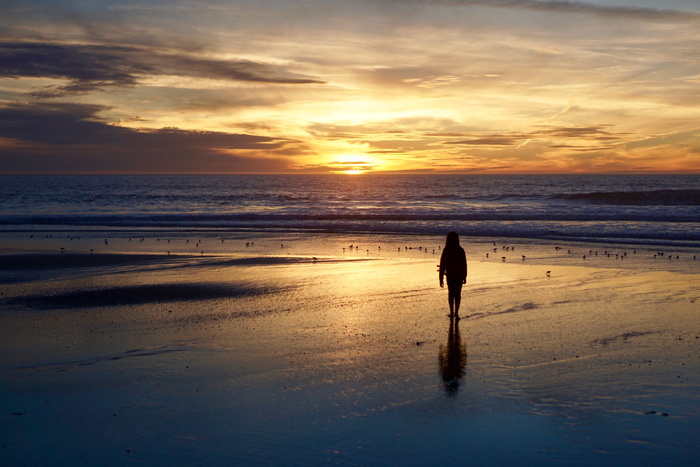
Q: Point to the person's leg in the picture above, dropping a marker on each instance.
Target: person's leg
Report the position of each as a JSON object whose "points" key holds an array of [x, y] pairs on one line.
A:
{"points": [[455, 288]]}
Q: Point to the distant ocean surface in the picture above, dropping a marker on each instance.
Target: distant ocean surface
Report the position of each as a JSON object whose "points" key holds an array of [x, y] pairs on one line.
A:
{"points": [[654, 209]]}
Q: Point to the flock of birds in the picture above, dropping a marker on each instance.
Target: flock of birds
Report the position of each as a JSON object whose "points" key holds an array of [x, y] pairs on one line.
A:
{"points": [[495, 250], [507, 248], [379, 248]]}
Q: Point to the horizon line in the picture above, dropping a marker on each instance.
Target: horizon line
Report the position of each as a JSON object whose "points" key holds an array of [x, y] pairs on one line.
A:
{"points": [[418, 172]]}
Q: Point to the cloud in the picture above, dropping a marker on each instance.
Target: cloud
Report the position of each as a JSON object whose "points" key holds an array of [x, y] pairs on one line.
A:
{"points": [[488, 141], [43, 137], [86, 67], [501, 84], [623, 12], [585, 132], [91, 67], [335, 167]]}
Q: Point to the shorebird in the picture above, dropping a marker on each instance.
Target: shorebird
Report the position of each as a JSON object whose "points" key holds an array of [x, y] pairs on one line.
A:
{"points": [[549, 273]]}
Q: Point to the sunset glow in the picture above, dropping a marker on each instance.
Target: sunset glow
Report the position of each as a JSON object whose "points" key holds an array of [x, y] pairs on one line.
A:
{"points": [[404, 86]]}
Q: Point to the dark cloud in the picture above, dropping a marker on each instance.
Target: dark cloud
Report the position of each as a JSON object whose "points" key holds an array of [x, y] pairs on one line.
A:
{"points": [[337, 166], [587, 132], [446, 135], [91, 67], [71, 138], [417, 127], [625, 12], [209, 100], [389, 146], [86, 67], [489, 141], [622, 12]]}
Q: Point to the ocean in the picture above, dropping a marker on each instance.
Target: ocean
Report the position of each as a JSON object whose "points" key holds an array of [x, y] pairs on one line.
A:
{"points": [[646, 209]]}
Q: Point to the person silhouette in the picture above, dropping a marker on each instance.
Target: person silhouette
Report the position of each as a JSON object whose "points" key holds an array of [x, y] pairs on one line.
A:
{"points": [[452, 358], [453, 264]]}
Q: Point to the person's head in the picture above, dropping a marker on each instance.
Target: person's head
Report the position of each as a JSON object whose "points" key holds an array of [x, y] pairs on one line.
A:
{"points": [[452, 239]]}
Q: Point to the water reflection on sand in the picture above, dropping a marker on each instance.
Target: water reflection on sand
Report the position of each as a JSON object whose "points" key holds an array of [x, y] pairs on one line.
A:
{"points": [[452, 359]]}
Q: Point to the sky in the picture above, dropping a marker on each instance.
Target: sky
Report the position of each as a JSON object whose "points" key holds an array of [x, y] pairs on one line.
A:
{"points": [[319, 86]]}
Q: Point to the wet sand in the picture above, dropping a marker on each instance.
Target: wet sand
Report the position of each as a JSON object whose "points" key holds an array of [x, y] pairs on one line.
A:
{"points": [[297, 349]]}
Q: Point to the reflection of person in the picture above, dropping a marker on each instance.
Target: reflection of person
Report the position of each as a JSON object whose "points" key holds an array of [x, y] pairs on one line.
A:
{"points": [[453, 264], [453, 360]]}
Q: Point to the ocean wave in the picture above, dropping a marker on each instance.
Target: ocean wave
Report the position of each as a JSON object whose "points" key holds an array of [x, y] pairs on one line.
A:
{"points": [[641, 230], [651, 207], [359, 216], [637, 198]]}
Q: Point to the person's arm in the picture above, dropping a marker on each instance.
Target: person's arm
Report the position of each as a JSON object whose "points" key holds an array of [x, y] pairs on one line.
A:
{"points": [[441, 269], [464, 281]]}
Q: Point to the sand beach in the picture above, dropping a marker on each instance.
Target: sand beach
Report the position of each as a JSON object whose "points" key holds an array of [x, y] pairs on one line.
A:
{"points": [[175, 348]]}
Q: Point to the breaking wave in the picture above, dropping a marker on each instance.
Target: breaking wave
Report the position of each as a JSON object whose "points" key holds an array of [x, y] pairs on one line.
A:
{"points": [[688, 197]]}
